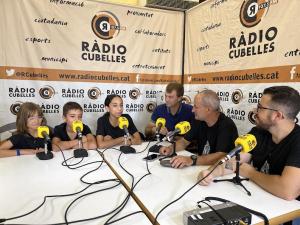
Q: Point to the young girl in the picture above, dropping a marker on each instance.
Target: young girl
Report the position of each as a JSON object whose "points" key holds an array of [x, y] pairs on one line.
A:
{"points": [[25, 141], [64, 137], [108, 132]]}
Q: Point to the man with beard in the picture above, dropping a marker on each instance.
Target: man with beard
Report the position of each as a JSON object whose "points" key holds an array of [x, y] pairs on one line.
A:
{"points": [[276, 158]]}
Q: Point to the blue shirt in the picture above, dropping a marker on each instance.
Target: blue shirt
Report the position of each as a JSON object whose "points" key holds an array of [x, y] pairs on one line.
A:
{"points": [[184, 113]]}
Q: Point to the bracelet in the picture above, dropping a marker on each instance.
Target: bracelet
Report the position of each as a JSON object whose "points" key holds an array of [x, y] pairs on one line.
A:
{"points": [[18, 152]]}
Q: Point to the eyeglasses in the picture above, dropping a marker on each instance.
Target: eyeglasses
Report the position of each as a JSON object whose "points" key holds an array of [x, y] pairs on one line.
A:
{"points": [[32, 118], [259, 106]]}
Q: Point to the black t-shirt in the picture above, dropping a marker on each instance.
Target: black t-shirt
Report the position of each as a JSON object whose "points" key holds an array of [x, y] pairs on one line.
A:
{"points": [[60, 131], [104, 127], [220, 137], [276, 156], [26, 141]]}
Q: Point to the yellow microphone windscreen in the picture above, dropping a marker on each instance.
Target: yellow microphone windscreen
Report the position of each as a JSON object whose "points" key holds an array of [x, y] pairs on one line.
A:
{"points": [[123, 121], [77, 124], [183, 126], [161, 121], [42, 129], [247, 141]]}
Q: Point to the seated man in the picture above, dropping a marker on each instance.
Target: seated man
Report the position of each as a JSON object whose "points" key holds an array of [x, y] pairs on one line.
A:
{"points": [[173, 111], [213, 131], [276, 158]]}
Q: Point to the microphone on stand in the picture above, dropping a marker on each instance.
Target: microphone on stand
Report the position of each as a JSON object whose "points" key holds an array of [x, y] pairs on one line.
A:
{"points": [[77, 127], [43, 132], [245, 143], [180, 128], [123, 124], [160, 123]]}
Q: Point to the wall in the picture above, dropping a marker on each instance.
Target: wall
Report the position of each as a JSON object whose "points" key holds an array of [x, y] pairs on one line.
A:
{"points": [[238, 48], [53, 52]]}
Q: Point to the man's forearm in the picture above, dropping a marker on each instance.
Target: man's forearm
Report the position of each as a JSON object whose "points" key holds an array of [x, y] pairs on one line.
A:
{"points": [[210, 159], [273, 184]]}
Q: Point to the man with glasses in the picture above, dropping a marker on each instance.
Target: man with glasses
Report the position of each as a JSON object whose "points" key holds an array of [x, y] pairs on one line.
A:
{"points": [[276, 158], [211, 129]]}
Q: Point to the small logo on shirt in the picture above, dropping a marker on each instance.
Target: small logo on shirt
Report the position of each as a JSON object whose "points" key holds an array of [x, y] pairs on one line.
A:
{"points": [[206, 148]]}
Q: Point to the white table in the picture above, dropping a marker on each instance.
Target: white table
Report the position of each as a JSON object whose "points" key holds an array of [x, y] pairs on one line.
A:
{"points": [[25, 180], [166, 184]]}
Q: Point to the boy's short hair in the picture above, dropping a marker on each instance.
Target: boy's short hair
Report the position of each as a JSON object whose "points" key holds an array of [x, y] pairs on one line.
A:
{"points": [[71, 106]]}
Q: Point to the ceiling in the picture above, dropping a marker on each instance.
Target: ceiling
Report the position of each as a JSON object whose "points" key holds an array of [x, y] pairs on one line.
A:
{"points": [[180, 5]]}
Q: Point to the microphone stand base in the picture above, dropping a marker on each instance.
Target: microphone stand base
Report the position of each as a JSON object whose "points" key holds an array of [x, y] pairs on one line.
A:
{"points": [[127, 149], [238, 181], [155, 148], [44, 156], [80, 153]]}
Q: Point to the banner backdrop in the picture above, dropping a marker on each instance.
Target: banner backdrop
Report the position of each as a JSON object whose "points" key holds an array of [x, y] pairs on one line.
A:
{"points": [[56, 51], [238, 48]]}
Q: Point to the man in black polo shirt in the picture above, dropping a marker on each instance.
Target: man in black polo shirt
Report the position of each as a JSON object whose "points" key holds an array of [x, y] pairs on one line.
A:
{"points": [[276, 158], [212, 130]]}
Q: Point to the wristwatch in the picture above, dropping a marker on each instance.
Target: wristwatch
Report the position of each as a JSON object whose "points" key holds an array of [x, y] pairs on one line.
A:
{"points": [[194, 158]]}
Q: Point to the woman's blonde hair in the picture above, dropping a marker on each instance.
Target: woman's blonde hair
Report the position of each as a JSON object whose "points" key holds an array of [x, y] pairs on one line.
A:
{"points": [[27, 110]]}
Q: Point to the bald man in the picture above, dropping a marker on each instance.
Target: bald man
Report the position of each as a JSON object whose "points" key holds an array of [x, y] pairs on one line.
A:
{"points": [[214, 133]]}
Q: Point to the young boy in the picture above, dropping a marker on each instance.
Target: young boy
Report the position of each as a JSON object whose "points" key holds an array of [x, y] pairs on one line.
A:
{"points": [[64, 137]]}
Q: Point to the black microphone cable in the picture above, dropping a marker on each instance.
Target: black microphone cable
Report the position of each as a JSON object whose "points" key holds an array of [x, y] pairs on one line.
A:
{"points": [[213, 209], [133, 185], [67, 195], [188, 190], [116, 211], [39, 206], [130, 191]]}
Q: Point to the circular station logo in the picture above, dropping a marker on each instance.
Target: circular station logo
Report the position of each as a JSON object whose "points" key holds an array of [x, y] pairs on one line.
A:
{"points": [[94, 93], [14, 108], [47, 92], [186, 99], [252, 12], [237, 96], [106, 25], [134, 93], [150, 107], [252, 117]]}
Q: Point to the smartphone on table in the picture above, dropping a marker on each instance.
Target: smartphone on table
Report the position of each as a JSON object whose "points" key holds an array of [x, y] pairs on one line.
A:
{"points": [[151, 157]]}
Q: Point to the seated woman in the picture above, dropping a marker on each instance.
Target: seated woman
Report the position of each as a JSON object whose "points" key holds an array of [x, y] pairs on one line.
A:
{"points": [[25, 141], [108, 132]]}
